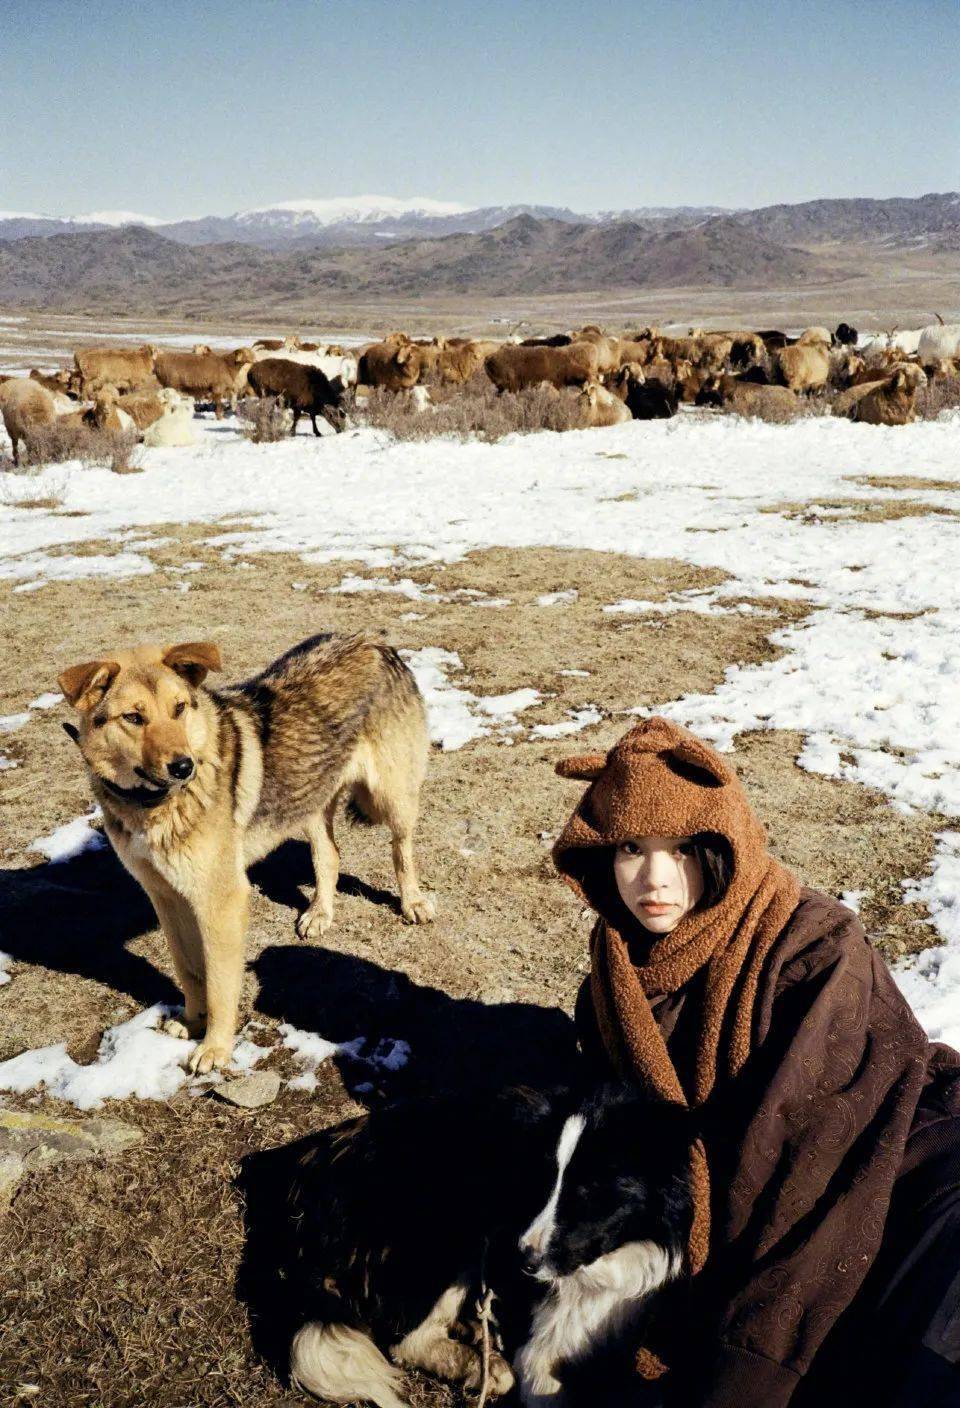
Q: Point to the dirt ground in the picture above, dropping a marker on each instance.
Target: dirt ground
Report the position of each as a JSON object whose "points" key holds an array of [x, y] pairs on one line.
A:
{"points": [[143, 1280]]}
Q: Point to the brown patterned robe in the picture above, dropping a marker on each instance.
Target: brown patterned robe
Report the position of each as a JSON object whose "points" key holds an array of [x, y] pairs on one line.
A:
{"points": [[841, 1101]]}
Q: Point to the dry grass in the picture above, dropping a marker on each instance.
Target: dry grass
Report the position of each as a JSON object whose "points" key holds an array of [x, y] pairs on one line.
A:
{"points": [[857, 510], [904, 481], [59, 442], [940, 394], [146, 1281], [264, 419], [474, 409]]}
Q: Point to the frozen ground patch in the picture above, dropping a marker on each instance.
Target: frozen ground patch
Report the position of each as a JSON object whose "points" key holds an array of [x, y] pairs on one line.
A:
{"points": [[455, 715]]}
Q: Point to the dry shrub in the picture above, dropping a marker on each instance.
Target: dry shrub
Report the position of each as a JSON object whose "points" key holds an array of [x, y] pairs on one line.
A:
{"points": [[474, 409], [264, 419], [938, 395], [64, 440]]}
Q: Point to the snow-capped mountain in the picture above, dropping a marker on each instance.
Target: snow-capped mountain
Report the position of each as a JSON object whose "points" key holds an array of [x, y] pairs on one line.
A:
{"points": [[346, 210], [334, 220], [113, 219], [344, 222]]}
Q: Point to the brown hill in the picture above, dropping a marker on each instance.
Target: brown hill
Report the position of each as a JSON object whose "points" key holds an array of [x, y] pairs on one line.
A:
{"points": [[135, 270], [897, 221]]}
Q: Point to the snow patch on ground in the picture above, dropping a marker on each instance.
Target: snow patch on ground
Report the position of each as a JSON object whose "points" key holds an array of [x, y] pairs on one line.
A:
{"points": [[564, 598], [134, 1059], [455, 715], [576, 720], [390, 1054], [46, 701], [72, 839], [931, 981], [9, 723]]}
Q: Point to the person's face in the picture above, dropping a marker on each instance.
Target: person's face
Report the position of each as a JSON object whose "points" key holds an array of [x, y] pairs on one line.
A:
{"points": [[659, 878]]}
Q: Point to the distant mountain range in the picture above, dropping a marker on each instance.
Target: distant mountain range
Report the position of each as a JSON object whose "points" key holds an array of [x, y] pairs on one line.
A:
{"points": [[291, 255], [339, 221]]}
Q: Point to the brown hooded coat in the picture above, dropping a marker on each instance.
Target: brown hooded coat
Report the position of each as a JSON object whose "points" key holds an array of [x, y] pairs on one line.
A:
{"points": [[769, 1014]]}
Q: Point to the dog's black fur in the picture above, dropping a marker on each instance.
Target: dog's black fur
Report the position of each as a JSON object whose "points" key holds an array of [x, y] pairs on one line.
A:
{"points": [[390, 1210]]}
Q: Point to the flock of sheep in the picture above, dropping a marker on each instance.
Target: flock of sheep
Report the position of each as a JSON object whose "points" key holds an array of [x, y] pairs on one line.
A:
{"points": [[152, 394]]}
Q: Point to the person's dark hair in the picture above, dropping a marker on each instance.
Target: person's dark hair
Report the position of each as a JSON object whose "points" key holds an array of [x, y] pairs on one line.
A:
{"points": [[715, 855]]}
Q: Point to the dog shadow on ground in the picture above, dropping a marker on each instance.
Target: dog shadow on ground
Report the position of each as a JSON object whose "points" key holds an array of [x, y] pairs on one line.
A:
{"points": [[77, 916], [286, 877]]}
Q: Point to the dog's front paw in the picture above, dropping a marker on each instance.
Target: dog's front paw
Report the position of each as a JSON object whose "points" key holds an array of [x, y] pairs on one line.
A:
{"points": [[186, 1028], [314, 922], [210, 1055], [421, 910], [501, 1375]]}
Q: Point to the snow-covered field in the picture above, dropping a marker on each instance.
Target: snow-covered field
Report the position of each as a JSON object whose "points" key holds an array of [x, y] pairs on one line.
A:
{"points": [[869, 676]]}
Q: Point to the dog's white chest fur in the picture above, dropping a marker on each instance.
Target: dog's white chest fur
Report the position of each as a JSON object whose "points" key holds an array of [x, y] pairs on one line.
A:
{"points": [[581, 1311]]}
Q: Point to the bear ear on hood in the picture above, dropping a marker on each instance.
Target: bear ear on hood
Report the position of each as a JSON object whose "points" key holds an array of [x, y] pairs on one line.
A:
{"points": [[586, 768], [691, 753]]}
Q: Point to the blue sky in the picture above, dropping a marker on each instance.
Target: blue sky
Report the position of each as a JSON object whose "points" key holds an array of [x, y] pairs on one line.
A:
{"points": [[210, 106]]}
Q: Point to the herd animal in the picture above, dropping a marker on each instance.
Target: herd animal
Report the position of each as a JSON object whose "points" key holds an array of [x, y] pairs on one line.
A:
{"points": [[642, 374]]}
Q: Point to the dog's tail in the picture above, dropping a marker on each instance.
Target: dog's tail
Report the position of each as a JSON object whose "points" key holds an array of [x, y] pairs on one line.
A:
{"points": [[343, 1365]]}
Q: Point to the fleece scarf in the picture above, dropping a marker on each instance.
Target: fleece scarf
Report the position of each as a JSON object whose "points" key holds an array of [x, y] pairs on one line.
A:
{"points": [[660, 780]]}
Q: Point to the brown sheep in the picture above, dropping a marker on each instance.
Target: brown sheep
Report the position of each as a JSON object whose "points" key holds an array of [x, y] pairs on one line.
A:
{"points": [[881, 364], [143, 407], [815, 337], [458, 364], [25, 406], [640, 350], [805, 366], [511, 368], [64, 382], [214, 376], [392, 365], [430, 353], [305, 389], [888, 402], [748, 398], [608, 348], [126, 368], [599, 407]]}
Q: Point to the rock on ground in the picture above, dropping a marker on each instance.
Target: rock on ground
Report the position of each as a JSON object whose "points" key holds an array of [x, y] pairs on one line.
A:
{"points": [[30, 1141]]}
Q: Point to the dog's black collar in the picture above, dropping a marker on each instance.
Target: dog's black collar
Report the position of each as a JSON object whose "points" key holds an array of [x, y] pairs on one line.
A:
{"points": [[136, 796]]}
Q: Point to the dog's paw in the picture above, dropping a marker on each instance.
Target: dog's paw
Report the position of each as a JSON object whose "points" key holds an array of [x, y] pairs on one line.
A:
{"points": [[209, 1055], [314, 922], [186, 1028], [501, 1375], [422, 910]]}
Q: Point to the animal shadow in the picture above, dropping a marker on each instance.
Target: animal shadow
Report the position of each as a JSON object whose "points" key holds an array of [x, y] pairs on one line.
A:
{"points": [[285, 873], [77, 916], [456, 1044]]}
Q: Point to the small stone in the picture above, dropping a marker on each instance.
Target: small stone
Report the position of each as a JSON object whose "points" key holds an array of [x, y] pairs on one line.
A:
{"points": [[252, 1091], [30, 1141]]}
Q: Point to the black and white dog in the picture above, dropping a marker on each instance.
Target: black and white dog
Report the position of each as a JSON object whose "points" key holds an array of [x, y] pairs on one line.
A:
{"points": [[400, 1217]]}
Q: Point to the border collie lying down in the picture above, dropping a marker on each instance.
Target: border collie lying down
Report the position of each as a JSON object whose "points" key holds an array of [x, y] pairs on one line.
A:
{"points": [[401, 1216]]}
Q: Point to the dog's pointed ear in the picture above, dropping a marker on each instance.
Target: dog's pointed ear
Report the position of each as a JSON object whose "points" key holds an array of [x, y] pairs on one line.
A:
{"points": [[193, 660], [72, 731], [85, 685]]}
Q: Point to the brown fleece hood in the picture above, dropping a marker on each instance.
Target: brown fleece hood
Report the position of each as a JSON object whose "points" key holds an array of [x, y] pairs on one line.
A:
{"points": [[660, 780]]}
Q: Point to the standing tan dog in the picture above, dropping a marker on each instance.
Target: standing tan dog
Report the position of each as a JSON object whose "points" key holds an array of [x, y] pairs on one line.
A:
{"points": [[196, 784]]}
